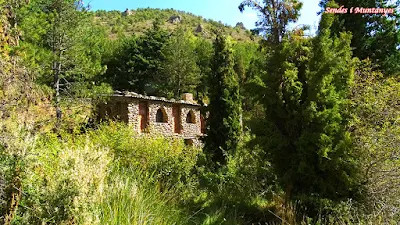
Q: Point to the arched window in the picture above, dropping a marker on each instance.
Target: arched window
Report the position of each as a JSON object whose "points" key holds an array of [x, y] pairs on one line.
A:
{"points": [[161, 116], [190, 117]]}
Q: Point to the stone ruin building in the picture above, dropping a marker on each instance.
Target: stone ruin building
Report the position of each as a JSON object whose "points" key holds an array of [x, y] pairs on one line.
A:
{"points": [[156, 115]]}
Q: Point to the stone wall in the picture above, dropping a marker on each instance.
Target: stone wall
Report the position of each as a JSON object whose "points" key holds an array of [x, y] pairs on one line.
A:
{"points": [[116, 108], [131, 111], [133, 115], [190, 129], [165, 128]]}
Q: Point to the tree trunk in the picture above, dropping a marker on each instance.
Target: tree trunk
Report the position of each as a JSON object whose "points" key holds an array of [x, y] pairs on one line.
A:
{"points": [[56, 70]]}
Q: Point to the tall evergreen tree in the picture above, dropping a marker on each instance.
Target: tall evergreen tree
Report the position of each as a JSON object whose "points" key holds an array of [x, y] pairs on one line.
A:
{"points": [[224, 125], [180, 67], [137, 64], [61, 44], [305, 88]]}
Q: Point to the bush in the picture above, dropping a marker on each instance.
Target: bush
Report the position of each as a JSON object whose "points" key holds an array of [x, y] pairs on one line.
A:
{"points": [[63, 180], [76, 178], [167, 160]]}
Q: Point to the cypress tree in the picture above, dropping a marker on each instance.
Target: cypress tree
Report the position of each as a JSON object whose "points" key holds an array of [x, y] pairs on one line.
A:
{"points": [[224, 126], [305, 89]]}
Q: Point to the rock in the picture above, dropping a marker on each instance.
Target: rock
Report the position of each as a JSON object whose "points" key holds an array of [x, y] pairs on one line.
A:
{"points": [[199, 28], [175, 19], [127, 12]]}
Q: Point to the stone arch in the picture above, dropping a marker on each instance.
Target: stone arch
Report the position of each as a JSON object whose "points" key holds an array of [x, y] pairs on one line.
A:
{"points": [[191, 117], [161, 116]]}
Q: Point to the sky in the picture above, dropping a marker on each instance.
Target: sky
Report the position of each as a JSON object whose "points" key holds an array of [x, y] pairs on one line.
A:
{"points": [[225, 11]]}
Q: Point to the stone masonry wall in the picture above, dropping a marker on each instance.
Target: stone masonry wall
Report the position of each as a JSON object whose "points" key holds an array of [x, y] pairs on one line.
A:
{"points": [[190, 130], [116, 108], [128, 110], [166, 128], [133, 115]]}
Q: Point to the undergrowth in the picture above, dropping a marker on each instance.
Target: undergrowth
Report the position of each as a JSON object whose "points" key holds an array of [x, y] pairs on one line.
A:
{"points": [[110, 175]]}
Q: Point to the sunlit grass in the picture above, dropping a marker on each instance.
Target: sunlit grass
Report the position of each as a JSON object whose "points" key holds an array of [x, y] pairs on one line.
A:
{"points": [[133, 199]]}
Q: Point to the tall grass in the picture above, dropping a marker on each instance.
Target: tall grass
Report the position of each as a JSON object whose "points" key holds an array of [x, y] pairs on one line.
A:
{"points": [[132, 198]]}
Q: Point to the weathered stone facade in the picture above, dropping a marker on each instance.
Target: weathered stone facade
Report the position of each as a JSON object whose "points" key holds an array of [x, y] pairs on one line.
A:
{"points": [[153, 115]]}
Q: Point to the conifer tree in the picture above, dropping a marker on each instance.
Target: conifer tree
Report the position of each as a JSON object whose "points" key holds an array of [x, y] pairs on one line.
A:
{"points": [[224, 125], [276, 15], [61, 46], [305, 89], [137, 64], [180, 68]]}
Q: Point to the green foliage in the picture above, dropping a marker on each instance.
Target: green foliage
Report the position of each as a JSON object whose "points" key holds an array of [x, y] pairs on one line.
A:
{"points": [[321, 148], [14, 77], [167, 160], [224, 122], [75, 179], [63, 180], [131, 198], [247, 173], [275, 17], [203, 55], [376, 135], [374, 36], [59, 38], [244, 54], [305, 88], [180, 68], [137, 64]]}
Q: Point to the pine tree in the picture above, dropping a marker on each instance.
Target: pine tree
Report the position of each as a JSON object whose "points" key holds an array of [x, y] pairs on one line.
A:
{"points": [[180, 68], [61, 46], [137, 64], [224, 125]]}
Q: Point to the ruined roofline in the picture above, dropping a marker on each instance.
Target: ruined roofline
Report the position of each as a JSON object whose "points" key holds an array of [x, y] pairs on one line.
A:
{"points": [[151, 98]]}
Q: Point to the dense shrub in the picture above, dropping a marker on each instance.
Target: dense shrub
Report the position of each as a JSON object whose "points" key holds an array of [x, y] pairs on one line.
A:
{"points": [[72, 178], [63, 180], [167, 160]]}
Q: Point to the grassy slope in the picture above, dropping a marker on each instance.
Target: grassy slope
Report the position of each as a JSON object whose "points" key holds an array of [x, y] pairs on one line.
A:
{"points": [[118, 24]]}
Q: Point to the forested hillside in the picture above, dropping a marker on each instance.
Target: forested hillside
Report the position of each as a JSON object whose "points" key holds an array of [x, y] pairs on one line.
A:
{"points": [[299, 129], [137, 21]]}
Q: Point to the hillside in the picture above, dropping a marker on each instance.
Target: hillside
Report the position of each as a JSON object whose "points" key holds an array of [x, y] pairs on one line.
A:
{"points": [[126, 23]]}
